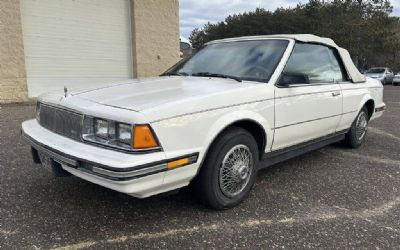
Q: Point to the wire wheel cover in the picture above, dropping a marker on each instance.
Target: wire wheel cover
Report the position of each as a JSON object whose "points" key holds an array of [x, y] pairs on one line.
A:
{"points": [[361, 126], [236, 170]]}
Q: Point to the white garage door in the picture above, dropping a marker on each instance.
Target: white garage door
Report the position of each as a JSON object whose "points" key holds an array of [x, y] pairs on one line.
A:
{"points": [[75, 43]]}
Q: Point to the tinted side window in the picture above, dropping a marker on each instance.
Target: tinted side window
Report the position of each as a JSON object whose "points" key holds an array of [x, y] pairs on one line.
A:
{"points": [[317, 62]]}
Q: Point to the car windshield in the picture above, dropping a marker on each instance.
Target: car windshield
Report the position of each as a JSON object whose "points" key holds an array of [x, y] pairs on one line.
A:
{"points": [[376, 70], [241, 60]]}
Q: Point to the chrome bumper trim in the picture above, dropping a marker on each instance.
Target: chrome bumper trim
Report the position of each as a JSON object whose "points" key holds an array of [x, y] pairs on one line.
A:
{"points": [[57, 157], [139, 172], [100, 170], [380, 109]]}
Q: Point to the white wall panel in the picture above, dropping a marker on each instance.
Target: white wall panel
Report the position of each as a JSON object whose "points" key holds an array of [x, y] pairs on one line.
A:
{"points": [[75, 43]]}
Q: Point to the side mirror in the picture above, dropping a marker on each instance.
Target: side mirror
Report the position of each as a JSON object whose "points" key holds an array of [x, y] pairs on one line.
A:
{"points": [[288, 79]]}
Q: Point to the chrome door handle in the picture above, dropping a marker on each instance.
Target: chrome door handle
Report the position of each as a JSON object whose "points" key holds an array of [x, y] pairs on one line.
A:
{"points": [[335, 93]]}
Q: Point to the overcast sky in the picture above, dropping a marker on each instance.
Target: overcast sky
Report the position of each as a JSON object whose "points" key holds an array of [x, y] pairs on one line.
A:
{"points": [[196, 13]]}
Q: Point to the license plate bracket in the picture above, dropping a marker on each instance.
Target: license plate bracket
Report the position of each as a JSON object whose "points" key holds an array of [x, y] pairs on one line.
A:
{"points": [[46, 161]]}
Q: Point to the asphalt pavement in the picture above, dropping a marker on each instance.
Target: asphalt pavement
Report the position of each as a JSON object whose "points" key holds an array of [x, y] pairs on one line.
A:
{"points": [[333, 198]]}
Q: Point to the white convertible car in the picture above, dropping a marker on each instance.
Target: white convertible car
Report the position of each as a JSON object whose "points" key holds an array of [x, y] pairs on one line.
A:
{"points": [[214, 120]]}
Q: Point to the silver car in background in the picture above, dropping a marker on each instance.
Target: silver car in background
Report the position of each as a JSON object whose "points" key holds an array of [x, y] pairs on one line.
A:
{"points": [[396, 79], [383, 74]]}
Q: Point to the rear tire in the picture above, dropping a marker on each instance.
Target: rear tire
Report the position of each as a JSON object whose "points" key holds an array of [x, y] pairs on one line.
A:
{"points": [[229, 170], [358, 131]]}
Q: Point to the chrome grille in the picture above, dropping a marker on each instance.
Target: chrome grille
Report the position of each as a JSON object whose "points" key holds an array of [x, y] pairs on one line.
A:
{"points": [[60, 121]]}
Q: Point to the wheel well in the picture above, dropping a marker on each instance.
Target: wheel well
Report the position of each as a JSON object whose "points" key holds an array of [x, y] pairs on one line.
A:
{"points": [[255, 129], [370, 106]]}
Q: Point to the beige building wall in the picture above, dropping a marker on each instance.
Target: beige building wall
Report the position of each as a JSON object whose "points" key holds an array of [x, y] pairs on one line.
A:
{"points": [[12, 60], [155, 35]]}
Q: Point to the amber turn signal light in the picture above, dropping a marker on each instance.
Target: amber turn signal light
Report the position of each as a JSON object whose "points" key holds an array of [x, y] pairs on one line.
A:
{"points": [[143, 137], [178, 163]]}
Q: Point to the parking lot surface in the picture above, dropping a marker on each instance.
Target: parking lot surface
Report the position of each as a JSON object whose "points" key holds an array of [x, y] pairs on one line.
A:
{"points": [[331, 198]]}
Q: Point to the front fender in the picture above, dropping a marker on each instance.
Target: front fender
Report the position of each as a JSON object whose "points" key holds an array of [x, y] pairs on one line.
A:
{"points": [[239, 115], [195, 132]]}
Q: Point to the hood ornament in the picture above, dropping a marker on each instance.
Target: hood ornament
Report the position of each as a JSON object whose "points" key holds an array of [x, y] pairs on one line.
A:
{"points": [[65, 91]]}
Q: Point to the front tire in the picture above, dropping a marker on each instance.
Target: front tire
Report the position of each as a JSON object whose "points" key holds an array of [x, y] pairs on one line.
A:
{"points": [[229, 170], [358, 131]]}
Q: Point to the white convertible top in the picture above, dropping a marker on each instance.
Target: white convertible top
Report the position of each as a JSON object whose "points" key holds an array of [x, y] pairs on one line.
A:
{"points": [[352, 71]]}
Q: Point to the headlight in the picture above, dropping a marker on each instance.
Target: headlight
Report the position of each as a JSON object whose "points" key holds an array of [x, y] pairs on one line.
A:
{"points": [[124, 134], [118, 135], [101, 128]]}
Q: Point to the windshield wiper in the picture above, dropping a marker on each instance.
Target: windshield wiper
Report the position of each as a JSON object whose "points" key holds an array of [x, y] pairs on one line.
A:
{"points": [[208, 74], [175, 74]]}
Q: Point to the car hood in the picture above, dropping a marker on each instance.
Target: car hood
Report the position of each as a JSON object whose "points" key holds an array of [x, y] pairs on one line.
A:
{"points": [[374, 75], [138, 95]]}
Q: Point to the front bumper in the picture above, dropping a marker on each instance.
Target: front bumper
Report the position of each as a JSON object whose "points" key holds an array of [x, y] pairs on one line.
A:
{"points": [[140, 175]]}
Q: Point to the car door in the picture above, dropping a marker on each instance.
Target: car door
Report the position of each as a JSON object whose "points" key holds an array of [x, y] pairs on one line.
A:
{"points": [[308, 99]]}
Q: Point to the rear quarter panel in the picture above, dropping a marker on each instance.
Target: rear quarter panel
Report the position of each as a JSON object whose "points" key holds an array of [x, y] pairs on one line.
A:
{"points": [[355, 95]]}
